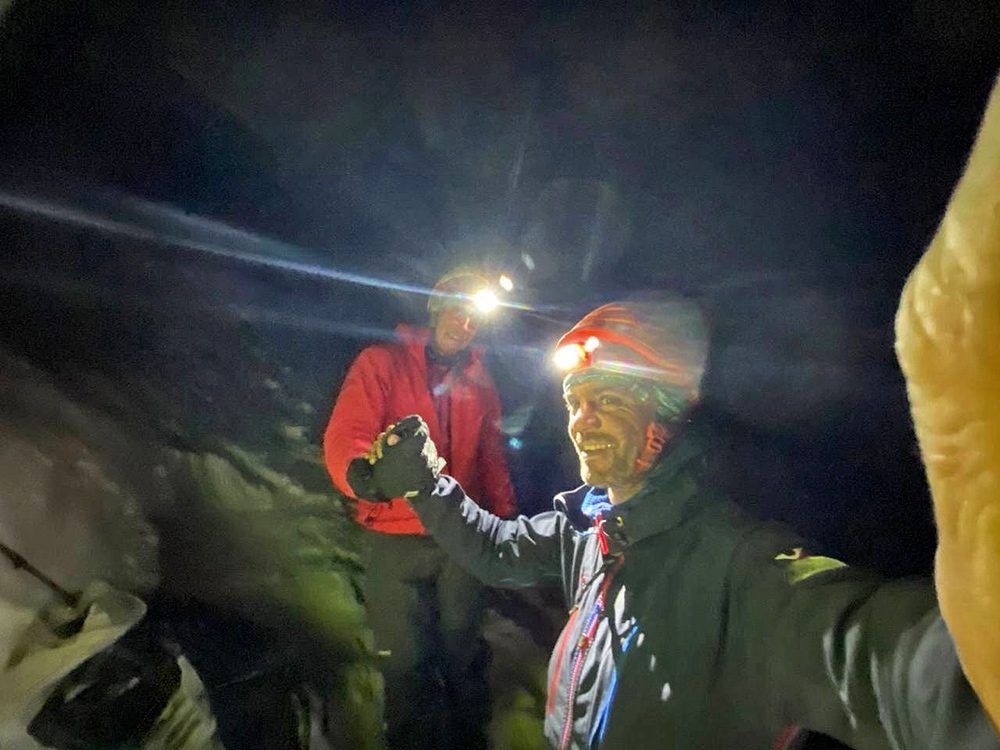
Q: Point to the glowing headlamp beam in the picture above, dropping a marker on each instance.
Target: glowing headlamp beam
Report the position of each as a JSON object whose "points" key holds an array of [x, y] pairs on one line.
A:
{"points": [[485, 300], [570, 356], [157, 223], [162, 224]]}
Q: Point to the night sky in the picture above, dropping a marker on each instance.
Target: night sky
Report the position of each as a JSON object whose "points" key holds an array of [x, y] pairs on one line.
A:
{"points": [[785, 162]]}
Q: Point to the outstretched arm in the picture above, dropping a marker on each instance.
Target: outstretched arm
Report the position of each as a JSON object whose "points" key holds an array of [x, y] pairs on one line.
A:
{"points": [[514, 554], [948, 343], [502, 553]]}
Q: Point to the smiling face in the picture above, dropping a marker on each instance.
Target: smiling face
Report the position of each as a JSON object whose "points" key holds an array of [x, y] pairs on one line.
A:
{"points": [[607, 424], [454, 331]]}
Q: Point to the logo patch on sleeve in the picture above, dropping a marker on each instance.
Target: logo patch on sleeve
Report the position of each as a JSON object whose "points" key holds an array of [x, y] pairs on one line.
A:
{"points": [[800, 565]]}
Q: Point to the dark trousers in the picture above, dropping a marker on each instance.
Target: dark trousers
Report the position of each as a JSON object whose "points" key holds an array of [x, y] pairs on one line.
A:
{"points": [[426, 613]]}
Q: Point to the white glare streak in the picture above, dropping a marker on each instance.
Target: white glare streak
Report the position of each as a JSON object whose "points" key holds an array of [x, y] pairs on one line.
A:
{"points": [[189, 232]]}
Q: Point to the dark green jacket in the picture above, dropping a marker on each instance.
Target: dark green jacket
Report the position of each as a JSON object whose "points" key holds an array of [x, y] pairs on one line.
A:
{"points": [[719, 631]]}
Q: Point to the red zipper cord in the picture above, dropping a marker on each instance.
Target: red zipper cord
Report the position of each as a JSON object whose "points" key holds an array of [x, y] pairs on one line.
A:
{"points": [[583, 646], [602, 538], [561, 646]]}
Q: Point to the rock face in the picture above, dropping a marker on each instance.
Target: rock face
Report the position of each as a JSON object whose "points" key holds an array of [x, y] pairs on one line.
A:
{"points": [[268, 591], [216, 541], [66, 502], [274, 545]]}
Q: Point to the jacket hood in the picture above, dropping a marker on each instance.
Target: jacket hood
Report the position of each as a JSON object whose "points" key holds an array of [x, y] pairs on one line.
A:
{"points": [[570, 502]]}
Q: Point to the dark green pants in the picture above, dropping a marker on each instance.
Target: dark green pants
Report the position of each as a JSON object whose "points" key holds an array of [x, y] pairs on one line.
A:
{"points": [[426, 612]]}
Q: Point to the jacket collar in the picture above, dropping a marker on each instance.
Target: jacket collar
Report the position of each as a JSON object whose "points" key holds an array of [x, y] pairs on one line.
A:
{"points": [[570, 502], [670, 496]]}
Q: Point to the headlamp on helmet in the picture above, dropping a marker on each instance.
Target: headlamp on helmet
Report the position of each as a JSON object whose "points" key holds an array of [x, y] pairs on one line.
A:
{"points": [[466, 289], [485, 300], [657, 348], [575, 355]]}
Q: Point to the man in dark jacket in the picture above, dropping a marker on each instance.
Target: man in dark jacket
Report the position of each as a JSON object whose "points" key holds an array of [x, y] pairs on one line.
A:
{"points": [[690, 624], [425, 610]]}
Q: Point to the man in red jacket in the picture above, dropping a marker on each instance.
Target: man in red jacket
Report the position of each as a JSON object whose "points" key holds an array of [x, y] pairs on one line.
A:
{"points": [[425, 611]]}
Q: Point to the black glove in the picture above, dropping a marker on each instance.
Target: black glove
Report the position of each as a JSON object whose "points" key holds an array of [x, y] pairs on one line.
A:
{"points": [[404, 460], [361, 479]]}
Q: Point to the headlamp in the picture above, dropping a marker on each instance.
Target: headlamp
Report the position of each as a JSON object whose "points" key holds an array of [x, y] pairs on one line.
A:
{"points": [[485, 300], [464, 289], [572, 356]]}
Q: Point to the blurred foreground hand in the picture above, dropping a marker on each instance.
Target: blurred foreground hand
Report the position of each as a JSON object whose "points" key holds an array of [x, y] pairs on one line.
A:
{"points": [[948, 344]]}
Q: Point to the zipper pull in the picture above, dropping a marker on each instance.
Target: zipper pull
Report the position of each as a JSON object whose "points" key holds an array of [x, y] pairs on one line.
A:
{"points": [[602, 539]]}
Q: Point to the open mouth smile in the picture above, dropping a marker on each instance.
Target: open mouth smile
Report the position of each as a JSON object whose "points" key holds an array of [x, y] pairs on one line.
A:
{"points": [[590, 447]]}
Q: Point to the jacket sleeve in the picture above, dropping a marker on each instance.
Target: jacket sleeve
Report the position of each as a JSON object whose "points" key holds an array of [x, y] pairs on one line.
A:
{"points": [[494, 476], [867, 661], [501, 553], [947, 329], [358, 415]]}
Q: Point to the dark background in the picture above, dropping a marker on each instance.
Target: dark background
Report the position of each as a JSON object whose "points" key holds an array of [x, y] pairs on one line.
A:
{"points": [[182, 182]]}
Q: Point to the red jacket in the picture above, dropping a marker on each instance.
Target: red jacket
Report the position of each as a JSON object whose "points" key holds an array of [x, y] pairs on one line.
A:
{"points": [[388, 382]]}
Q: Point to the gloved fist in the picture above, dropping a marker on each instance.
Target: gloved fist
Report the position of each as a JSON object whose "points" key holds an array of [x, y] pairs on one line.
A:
{"points": [[404, 460], [361, 479]]}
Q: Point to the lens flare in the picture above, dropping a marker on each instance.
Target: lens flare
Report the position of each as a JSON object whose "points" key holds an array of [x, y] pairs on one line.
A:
{"points": [[570, 356], [485, 300], [124, 215]]}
